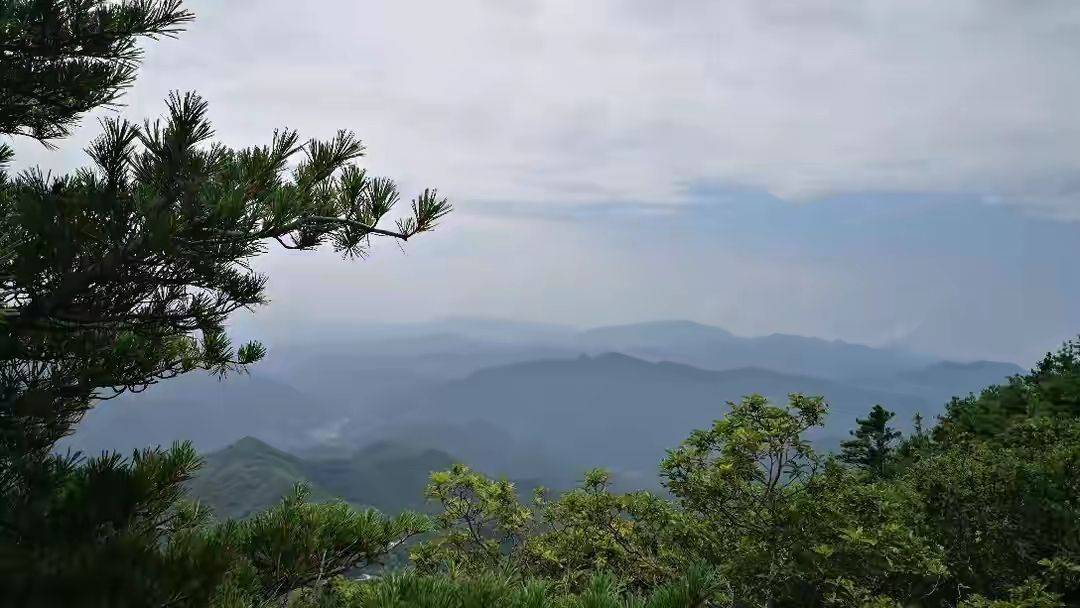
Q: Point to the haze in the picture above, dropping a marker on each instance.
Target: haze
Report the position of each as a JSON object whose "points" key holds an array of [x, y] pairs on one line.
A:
{"points": [[898, 174]]}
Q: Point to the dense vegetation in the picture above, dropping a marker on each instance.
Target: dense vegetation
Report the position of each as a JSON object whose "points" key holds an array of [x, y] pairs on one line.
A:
{"points": [[123, 275], [962, 515]]}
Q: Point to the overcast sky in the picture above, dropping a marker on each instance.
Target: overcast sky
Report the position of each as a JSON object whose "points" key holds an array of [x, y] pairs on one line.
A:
{"points": [[884, 172]]}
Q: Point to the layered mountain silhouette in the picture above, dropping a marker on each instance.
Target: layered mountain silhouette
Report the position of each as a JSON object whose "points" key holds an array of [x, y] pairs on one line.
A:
{"points": [[522, 400], [714, 348], [618, 411]]}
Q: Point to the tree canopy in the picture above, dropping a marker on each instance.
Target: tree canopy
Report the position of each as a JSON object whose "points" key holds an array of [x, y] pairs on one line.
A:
{"points": [[63, 58], [959, 517], [872, 443], [123, 274]]}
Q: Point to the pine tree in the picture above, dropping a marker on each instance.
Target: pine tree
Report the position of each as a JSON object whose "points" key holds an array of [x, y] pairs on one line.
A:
{"points": [[122, 275], [63, 58], [873, 442]]}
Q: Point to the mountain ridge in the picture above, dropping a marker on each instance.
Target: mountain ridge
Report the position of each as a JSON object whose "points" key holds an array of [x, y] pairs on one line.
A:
{"points": [[330, 398], [250, 474], [573, 405]]}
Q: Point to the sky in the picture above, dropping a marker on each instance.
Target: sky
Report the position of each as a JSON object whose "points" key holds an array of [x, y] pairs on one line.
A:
{"points": [[894, 173]]}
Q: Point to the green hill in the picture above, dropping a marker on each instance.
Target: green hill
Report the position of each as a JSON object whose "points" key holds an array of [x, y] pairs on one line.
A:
{"points": [[250, 475]]}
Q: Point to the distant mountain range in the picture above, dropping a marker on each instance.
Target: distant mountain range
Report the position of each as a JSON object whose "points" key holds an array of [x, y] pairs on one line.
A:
{"points": [[523, 400], [618, 411], [714, 348]]}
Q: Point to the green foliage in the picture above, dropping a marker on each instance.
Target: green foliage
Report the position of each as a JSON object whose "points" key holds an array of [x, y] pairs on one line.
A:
{"points": [[250, 476], [592, 529], [411, 590], [786, 527], [1050, 390], [755, 517], [484, 527], [1000, 508], [94, 533], [699, 588], [871, 447], [115, 532], [740, 482], [124, 274], [998, 482], [482, 524], [863, 542], [1032, 594], [63, 58], [778, 523], [297, 544], [755, 456]]}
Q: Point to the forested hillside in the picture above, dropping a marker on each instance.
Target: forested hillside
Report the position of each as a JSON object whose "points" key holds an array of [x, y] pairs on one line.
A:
{"points": [[977, 505], [982, 505], [250, 476]]}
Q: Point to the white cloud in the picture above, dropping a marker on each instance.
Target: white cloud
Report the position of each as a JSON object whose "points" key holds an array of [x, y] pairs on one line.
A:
{"points": [[632, 104], [560, 101]]}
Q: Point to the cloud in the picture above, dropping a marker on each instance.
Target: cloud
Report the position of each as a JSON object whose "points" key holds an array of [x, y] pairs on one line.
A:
{"points": [[565, 102], [580, 142]]}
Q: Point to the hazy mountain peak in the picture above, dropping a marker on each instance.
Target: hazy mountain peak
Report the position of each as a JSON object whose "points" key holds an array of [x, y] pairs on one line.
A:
{"points": [[616, 358], [659, 328], [249, 443], [584, 363], [962, 377], [981, 364], [615, 364], [249, 447]]}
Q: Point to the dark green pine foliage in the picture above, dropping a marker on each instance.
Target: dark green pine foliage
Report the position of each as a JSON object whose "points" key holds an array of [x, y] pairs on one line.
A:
{"points": [[699, 588], [872, 443], [123, 274], [63, 58]]}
